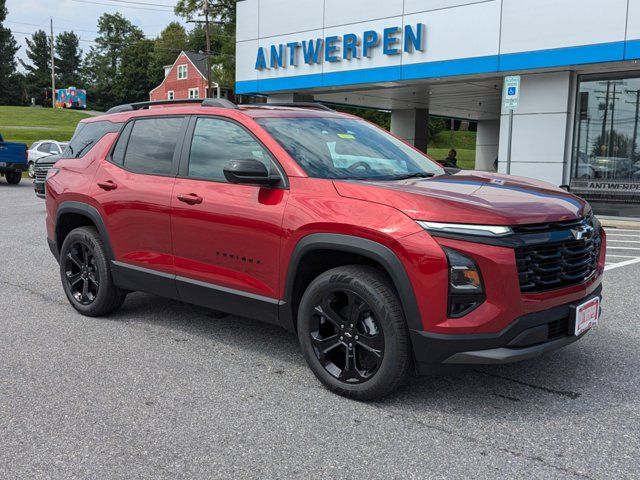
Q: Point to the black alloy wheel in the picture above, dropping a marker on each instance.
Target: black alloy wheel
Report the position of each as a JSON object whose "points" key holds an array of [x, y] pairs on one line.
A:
{"points": [[347, 339], [353, 334], [86, 274], [82, 275]]}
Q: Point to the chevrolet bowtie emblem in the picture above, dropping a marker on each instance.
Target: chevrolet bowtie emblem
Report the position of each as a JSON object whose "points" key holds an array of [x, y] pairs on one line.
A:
{"points": [[583, 232]]}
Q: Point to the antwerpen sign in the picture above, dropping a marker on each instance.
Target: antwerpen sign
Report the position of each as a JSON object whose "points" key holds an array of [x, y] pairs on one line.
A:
{"points": [[391, 41]]}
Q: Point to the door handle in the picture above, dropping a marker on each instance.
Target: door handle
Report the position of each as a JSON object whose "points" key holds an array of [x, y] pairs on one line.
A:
{"points": [[190, 198], [108, 185]]}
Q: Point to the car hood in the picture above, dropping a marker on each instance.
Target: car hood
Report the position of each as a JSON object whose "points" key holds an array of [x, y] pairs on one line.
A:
{"points": [[471, 197], [48, 160]]}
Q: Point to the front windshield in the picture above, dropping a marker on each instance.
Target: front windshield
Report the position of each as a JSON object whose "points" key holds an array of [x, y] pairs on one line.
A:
{"points": [[347, 148]]}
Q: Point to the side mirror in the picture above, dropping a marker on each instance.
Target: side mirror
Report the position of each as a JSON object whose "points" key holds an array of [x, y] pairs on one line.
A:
{"points": [[249, 171]]}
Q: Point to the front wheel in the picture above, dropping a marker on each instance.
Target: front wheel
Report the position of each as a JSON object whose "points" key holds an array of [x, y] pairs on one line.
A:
{"points": [[32, 170], [13, 178], [353, 333], [86, 276]]}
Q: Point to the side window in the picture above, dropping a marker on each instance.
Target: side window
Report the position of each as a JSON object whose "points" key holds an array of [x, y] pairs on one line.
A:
{"points": [[121, 145], [44, 147], [151, 145], [216, 142], [87, 135]]}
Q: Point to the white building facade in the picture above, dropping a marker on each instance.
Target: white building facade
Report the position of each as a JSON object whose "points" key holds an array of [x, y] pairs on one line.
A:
{"points": [[576, 122]]}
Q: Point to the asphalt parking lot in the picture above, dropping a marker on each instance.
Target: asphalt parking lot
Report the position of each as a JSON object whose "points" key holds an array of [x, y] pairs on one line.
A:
{"points": [[167, 390]]}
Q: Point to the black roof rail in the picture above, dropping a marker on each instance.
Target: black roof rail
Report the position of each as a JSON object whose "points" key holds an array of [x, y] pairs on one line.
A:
{"points": [[218, 103], [310, 105], [207, 102]]}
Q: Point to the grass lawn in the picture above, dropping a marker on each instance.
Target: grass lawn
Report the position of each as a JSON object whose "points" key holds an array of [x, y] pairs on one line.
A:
{"points": [[29, 124], [463, 142]]}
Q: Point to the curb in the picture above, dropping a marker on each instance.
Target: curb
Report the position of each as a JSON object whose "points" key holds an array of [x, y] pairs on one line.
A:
{"points": [[612, 223]]}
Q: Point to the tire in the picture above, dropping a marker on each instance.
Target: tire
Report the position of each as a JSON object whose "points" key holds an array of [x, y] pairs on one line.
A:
{"points": [[13, 178], [83, 261], [31, 169], [363, 360]]}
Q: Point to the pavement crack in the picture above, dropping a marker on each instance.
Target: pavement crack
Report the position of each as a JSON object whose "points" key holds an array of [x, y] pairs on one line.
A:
{"points": [[562, 393], [508, 451], [33, 292]]}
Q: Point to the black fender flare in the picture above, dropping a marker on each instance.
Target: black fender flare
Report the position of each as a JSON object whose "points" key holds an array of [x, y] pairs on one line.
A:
{"points": [[361, 246], [92, 214]]}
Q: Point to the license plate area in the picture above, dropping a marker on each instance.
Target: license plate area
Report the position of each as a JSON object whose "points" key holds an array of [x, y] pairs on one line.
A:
{"points": [[586, 315]]}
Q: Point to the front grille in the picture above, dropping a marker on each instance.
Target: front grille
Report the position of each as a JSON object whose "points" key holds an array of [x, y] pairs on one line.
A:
{"points": [[554, 264], [558, 328], [41, 173]]}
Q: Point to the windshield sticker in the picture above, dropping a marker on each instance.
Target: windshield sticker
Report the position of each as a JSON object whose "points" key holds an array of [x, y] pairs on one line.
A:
{"points": [[347, 136]]}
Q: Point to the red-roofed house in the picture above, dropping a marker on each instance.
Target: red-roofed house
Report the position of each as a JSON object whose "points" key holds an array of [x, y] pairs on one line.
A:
{"points": [[186, 78]]}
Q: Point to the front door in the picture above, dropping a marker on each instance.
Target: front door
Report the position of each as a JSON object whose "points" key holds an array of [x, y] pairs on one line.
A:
{"points": [[226, 237]]}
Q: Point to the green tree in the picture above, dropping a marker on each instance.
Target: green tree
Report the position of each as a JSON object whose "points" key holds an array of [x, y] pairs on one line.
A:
{"points": [[102, 64], [68, 59], [38, 69], [8, 49], [222, 30], [134, 82], [172, 40]]}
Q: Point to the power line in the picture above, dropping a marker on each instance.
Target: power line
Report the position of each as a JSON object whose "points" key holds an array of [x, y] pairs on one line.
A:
{"points": [[122, 6], [164, 5]]}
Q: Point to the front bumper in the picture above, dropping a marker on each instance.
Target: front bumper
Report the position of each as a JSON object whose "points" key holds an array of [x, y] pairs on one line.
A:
{"points": [[39, 189], [526, 337]]}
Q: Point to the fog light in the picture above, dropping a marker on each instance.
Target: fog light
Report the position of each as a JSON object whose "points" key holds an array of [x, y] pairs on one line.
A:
{"points": [[466, 291]]}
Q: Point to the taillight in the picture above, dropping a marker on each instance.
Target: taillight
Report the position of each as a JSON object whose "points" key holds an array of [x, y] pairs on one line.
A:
{"points": [[52, 172]]}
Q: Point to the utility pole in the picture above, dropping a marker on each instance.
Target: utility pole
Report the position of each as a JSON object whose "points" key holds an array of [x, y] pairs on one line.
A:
{"points": [[53, 70], [634, 143], [208, 36]]}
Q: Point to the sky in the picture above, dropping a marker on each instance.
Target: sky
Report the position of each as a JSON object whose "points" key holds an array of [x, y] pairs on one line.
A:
{"points": [[82, 17]]}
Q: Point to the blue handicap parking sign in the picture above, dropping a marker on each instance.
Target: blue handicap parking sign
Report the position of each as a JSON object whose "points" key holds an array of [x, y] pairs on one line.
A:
{"points": [[511, 91]]}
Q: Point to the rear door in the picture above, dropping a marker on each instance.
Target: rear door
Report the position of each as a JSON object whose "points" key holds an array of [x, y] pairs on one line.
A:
{"points": [[134, 187], [226, 237]]}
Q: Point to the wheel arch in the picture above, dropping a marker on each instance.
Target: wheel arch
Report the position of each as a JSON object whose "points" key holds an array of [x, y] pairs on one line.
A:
{"points": [[346, 247], [71, 215]]}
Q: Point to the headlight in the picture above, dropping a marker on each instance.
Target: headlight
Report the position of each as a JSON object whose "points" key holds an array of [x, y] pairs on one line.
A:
{"points": [[466, 291], [467, 229]]}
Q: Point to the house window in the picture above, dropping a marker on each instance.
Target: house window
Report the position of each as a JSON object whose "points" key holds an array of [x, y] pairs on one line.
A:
{"points": [[170, 95], [194, 93], [182, 72]]}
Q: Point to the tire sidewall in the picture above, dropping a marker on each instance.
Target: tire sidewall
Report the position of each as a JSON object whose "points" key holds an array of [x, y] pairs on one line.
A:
{"points": [[389, 368], [90, 237]]}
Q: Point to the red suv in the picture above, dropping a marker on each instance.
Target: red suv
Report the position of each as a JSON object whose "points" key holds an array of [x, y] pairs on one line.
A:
{"points": [[382, 261]]}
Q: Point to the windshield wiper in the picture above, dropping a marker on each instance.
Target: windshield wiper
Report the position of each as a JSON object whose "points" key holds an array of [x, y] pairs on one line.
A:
{"points": [[414, 175]]}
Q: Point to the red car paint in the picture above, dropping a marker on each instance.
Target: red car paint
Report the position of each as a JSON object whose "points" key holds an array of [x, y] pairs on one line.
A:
{"points": [[150, 228]]}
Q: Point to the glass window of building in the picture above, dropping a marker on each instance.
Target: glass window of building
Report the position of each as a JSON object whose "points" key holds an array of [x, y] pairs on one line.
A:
{"points": [[606, 147]]}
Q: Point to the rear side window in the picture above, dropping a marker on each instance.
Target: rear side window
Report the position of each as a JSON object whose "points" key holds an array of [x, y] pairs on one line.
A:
{"points": [[152, 144], [86, 136], [121, 145]]}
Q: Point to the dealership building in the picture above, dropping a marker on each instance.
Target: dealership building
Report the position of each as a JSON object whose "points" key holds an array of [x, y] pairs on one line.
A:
{"points": [[575, 116]]}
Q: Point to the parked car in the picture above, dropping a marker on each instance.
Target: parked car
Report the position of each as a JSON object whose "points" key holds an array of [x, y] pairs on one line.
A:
{"points": [[42, 167], [381, 261], [44, 148], [13, 161]]}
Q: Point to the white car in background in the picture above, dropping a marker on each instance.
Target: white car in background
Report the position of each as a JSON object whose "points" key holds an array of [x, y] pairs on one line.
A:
{"points": [[44, 148]]}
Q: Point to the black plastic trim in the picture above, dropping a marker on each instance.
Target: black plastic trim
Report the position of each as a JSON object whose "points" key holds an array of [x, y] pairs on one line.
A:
{"points": [[92, 214], [357, 245], [431, 349], [196, 292]]}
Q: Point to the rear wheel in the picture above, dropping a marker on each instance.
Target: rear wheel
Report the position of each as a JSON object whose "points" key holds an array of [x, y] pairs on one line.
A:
{"points": [[86, 276], [353, 334], [13, 178]]}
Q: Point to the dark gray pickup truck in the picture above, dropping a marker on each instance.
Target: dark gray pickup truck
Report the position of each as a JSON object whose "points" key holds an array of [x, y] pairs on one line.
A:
{"points": [[13, 160]]}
